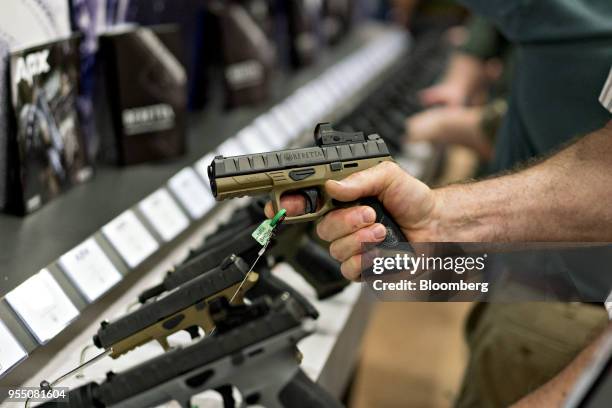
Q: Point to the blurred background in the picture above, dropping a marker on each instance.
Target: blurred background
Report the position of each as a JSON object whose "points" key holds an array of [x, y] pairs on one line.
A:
{"points": [[103, 100]]}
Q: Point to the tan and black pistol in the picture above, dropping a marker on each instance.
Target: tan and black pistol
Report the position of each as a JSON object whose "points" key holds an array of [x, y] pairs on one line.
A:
{"points": [[304, 171]]}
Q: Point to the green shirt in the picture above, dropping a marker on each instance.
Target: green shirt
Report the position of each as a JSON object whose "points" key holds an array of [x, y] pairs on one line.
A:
{"points": [[564, 52]]}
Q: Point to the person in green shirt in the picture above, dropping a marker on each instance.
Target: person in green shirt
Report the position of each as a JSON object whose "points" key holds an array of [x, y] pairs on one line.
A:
{"points": [[467, 105], [563, 52]]}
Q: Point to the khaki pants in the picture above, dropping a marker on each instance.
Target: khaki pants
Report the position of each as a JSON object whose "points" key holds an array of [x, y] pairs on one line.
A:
{"points": [[515, 348]]}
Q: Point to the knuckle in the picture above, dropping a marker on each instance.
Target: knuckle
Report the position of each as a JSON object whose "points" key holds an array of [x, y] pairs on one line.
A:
{"points": [[390, 166], [335, 251], [347, 270], [366, 235], [352, 218], [322, 229]]}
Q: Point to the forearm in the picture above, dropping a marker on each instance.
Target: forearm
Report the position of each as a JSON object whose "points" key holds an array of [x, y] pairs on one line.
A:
{"points": [[555, 392], [465, 71], [564, 198]]}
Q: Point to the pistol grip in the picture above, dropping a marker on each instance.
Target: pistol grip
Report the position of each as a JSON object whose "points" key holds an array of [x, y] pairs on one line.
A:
{"points": [[394, 236]]}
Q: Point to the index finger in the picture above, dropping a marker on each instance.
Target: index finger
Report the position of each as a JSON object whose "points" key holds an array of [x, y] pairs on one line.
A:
{"points": [[295, 204]]}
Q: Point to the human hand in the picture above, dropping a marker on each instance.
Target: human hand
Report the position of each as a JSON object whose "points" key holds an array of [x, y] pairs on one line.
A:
{"points": [[409, 201], [461, 85], [445, 93], [450, 125]]}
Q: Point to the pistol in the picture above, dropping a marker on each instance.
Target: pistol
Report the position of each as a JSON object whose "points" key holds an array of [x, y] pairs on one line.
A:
{"points": [[183, 308], [246, 248], [304, 171], [293, 244], [253, 349]]}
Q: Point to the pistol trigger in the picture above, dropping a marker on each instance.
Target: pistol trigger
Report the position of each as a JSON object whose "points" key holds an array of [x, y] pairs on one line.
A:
{"points": [[163, 342], [193, 332], [311, 196]]}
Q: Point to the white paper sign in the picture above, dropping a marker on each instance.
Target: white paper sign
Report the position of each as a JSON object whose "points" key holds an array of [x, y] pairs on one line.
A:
{"points": [[164, 214], [252, 140], [130, 238], [191, 192], [201, 167], [270, 130], [289, 126], [42, 305], [231, 147], [297, 113], [323, 96], [312, 95], [90, 269], [11, 351], [300, 104]]}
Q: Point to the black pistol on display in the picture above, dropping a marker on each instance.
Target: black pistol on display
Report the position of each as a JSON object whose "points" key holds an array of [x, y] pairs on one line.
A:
{"points": [[247, 248], [292, 244], [253, 349], [305, 171]]}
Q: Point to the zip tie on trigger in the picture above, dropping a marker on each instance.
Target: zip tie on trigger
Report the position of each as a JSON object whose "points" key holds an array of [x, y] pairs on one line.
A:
{"points": [[262, 234]]}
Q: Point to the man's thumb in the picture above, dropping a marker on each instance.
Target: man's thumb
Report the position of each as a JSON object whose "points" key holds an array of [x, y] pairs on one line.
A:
{"points": [[371, 182]]}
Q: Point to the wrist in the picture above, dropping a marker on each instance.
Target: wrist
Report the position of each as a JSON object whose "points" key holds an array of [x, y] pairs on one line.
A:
{"points": [[457, 217]]}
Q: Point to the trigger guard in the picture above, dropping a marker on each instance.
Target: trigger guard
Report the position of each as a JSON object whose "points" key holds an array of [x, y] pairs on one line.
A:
{"points": [[311, 197]]}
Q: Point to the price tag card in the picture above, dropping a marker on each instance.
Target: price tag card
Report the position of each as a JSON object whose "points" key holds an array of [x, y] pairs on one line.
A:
{"points": [[289, 128], [270, 129], [253, 141], [201, 167], [309, 112], [130, 238], [191, 192], [332, 87], [164, 214], [338, 78], [11, 351], [231, 147], [313, 96], [90, 269], [42, 305], [300, 110], [321, 93]]}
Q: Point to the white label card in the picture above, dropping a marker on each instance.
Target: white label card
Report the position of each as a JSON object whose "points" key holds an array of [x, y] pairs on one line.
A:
{"points": [[164, 214], [270, 130], [231, 147], [42, 305], [287, 122], [11, 351], [191, 192], [201, 167], [253, 141], [90, 269], [130, 238]]}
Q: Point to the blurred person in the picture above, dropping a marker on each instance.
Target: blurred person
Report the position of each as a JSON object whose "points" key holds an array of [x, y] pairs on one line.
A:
{"points": [[460, 109], [472, 67], [563, 50], [470, 126]]}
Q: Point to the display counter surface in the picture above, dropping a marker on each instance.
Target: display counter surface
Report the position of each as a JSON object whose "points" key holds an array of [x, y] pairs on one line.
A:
{"points": [[100, 210]]}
